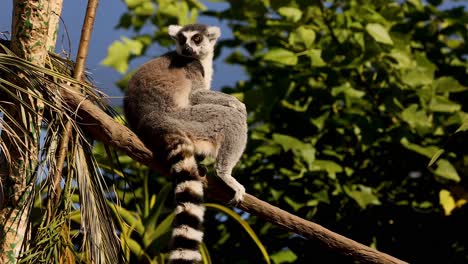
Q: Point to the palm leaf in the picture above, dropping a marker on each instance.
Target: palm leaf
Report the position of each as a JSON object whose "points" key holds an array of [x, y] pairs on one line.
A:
{"points": [[56, 237], [244, 224]]}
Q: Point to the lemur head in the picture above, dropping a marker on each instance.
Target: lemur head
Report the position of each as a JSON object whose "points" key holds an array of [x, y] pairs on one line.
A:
{"points": [[195, 40]]}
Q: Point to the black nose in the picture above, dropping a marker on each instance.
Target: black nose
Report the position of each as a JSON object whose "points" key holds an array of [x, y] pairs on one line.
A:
{"points": [[187, 50]]}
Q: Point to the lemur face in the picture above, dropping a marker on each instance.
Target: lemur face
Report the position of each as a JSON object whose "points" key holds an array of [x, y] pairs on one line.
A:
{"points": [[196, 40]]}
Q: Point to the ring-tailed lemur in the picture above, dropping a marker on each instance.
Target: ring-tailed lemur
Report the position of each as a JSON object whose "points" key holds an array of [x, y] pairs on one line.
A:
{"points": [[170, 106]]}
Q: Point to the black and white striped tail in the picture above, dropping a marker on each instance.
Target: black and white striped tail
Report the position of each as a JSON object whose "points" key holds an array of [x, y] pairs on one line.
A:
{"points": [[187, 231]]}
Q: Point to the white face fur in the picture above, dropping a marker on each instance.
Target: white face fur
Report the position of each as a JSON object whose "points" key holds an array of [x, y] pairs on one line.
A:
{"points": [[196, 41]]}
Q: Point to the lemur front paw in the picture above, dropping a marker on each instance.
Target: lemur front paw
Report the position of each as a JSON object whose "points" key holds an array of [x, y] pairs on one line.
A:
{"points": [[239, 195]]}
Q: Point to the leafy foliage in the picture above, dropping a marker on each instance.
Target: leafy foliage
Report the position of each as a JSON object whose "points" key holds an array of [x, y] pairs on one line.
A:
{"points": [[358, 113]]}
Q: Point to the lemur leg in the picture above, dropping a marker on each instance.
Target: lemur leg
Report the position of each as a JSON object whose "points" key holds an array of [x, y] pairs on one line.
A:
{"points": [[202, 96], [229, 153], [227, 129]]}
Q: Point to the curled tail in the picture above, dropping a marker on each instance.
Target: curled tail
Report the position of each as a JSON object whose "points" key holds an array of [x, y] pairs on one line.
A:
{"points": [[187, 231]]}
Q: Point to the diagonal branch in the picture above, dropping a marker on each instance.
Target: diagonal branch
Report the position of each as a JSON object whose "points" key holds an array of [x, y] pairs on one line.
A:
{"points": [[104, 128]]}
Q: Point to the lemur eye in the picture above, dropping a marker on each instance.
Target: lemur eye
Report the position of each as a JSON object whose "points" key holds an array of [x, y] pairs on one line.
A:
{"points": [[197, 38]]}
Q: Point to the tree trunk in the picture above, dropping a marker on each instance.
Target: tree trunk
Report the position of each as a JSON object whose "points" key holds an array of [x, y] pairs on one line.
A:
{"points": [[34, 27]]}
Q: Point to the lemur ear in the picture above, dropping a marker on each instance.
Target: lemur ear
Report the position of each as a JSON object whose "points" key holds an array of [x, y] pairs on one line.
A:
{"points": [[173, 30], [214, 33]]}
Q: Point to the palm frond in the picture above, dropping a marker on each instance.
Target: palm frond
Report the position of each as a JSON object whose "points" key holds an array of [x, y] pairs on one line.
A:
{"points": [[101, 239], [55, 237]]}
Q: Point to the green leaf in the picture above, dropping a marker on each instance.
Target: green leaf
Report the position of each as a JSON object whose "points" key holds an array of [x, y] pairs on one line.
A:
{"points": [[134, 246], [347, 90], [290, 13], [197, 4], [447, 201], [132, 219], [268, 150], [297, 105], [119, 53], [134, 3], [302, 35], [331, 167], [284, 256], [435, 157], [448, 85], [295, 205], [422, 73], [244, 224], [308, 155], [146, 9], [164, 227], [288, 142], [315, 56], [402, 57], [319, 122], [415, 118], [281, 56], [322, 196], [446, 170], [379, 33], [151, 221], [417, 4], [463, 127], [428, 151], [416, 77], [443, 104], [362, 195]]}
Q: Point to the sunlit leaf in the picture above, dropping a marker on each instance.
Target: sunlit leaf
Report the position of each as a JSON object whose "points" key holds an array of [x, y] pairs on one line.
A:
{"points": [[363, 195], [443, 104], [146, 9], [428, 151], [158, 207], [119, 53], [302, 35], [446, 170], [284, 256], [463, 127], [134, 3], [315, 56], [379, 33], [403, 58], [420, 74], [281, 56], [448, 84], [164, 227], [134, 246], [447, 201], [331, 167], [290, 13], [131, 218], [416, 118], [287, 142], [348, 90], [435, 157]]}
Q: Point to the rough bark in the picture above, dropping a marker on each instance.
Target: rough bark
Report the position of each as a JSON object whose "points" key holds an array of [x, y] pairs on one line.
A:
{"points": [[54, 19], [104, 128], [30, 40]]}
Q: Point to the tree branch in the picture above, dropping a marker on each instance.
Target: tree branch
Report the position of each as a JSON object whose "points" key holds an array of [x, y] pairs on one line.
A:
{"points": [[102, 127]]}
